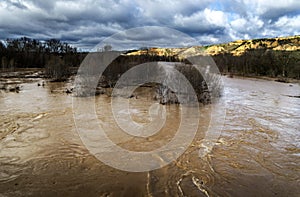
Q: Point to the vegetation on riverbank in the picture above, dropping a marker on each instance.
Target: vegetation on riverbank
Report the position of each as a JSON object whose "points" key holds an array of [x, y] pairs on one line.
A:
{"points": [[52, 55]]}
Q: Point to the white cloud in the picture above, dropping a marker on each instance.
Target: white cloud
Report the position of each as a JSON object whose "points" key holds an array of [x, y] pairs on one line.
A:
{"points": [[269, 9], [263, 6], [239, 24], [241, 28], [208, 39], [290, 25], [206, 21], [288, 22], [214, 17]]}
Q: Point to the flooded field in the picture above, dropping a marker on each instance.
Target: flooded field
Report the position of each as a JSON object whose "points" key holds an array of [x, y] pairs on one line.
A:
{"points": [[257, 154]]}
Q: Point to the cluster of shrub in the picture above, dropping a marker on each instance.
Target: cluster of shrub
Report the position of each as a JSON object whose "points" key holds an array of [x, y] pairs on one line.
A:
{"points": [[261, 62]]}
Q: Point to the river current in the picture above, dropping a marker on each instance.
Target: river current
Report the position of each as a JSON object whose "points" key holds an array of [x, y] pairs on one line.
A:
{"points": [[257, 153]]}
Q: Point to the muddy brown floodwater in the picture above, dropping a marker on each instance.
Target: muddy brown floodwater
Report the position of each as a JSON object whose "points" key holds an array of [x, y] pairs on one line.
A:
{"points": [[257, 154]]}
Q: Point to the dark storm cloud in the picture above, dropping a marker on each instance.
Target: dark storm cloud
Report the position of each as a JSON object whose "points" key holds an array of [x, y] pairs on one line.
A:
{"points": [[85, 23], [16, 3], [149, 36]]}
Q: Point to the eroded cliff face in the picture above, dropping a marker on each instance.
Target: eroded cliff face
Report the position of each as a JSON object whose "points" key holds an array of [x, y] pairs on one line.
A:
{"points": [[236, 48]]}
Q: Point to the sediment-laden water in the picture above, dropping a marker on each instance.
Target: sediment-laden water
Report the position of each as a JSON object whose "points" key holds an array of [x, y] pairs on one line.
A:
{"points": [[257, 154]]}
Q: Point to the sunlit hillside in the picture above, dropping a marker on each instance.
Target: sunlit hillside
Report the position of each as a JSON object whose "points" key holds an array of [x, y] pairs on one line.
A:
{"points": [[236, 48]]}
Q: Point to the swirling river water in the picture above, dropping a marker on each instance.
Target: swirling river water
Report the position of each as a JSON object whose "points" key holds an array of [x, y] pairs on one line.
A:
{"points": [[257, 153]]}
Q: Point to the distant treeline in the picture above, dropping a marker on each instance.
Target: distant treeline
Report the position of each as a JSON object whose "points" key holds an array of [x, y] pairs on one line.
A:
{"points": [[31, 53], [261, 62], [255, 62], [56, 57]]}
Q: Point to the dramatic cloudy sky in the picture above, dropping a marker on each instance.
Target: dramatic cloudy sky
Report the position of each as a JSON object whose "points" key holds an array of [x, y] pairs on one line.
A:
{"points": [[84, 23]]}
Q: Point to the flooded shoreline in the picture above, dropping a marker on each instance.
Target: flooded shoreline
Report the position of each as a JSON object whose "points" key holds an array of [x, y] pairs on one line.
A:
{"points": [[257, 154]]}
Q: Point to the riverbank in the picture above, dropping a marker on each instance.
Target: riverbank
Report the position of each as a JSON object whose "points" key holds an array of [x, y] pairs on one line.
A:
{"points": [[267, 78]]}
